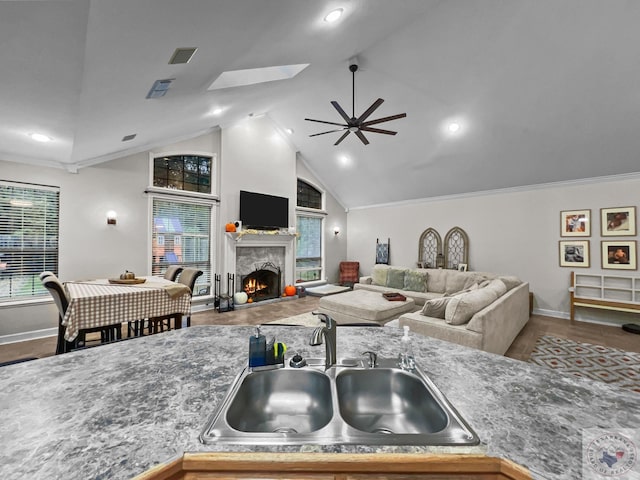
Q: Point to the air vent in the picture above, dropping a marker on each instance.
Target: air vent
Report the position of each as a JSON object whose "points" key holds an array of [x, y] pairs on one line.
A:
{"points": [[159, 88], [182, 55], [126, 138]]}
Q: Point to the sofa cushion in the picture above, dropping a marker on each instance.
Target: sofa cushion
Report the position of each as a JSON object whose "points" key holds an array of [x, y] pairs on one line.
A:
{"points": [[379, 275], [436, 307], [436, 280], [415, 280], [395, 278], [461, 308]]}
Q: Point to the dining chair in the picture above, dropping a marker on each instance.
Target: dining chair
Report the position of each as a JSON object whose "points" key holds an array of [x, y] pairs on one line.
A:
{"points": [[107, 333], [172, 272], [188, 277]]}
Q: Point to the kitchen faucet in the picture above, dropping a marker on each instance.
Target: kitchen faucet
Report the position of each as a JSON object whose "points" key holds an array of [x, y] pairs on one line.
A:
{"points": [[328, 331]]}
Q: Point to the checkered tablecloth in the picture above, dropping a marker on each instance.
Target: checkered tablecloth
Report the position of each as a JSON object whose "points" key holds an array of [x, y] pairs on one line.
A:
{"points": [[99, 303]]}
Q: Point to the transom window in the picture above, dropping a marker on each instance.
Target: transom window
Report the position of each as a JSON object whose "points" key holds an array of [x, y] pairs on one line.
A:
{"points": [[308, 196], [191, 173]]}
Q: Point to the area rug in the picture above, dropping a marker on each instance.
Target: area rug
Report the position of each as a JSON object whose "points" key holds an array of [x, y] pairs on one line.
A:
{"points": [[327, 289], [604, 364]]}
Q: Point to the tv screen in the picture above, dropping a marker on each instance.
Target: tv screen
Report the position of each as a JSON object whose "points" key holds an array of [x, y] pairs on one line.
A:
{"points": [[261, 211]]}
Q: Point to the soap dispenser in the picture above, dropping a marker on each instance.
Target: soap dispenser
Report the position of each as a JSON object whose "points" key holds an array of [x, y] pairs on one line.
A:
{"points": [[257, 350], [405, 359]]}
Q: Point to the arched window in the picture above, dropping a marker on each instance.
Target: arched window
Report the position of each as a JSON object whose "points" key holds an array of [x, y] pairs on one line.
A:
{"points": [[308, 196]]}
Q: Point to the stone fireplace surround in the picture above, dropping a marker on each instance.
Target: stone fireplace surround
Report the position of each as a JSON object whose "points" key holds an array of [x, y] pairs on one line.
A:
{"points": [[278, 248]]}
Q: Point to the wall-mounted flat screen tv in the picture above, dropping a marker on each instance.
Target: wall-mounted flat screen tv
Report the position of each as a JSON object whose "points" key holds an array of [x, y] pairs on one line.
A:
{"points": [[261, 211]]}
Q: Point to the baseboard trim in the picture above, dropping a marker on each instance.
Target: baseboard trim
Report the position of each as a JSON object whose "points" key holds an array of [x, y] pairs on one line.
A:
{"points": [[567, 316], [25, 336]]}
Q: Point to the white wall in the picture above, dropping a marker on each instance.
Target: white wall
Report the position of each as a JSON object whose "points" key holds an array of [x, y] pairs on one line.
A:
{"points": [[510, 232]]}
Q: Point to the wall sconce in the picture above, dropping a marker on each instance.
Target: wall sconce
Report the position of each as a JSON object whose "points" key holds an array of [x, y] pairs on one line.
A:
{"points": [[111, 217], [336, 230]]}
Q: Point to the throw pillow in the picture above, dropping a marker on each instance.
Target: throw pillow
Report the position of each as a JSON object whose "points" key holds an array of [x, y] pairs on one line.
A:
{"points": [[435, 307], [415, 281], [379, 276], [395, 278], [462, 307], [510, 281], [497, 286]]}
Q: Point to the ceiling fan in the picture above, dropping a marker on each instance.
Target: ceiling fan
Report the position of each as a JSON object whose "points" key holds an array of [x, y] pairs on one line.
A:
{"points": [[357, 125]]}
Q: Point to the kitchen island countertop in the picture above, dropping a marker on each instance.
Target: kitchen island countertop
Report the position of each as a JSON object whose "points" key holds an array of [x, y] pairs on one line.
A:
{"points": [[115, 411]]}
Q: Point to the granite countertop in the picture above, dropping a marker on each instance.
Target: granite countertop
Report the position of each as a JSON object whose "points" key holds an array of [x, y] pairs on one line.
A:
{"points": [[114, 411]]}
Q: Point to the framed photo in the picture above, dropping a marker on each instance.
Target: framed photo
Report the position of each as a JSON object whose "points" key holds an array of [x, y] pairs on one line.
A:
{"points": [[619, 255], [574, 253], [462, 267], [618, 221], [575, 223]]}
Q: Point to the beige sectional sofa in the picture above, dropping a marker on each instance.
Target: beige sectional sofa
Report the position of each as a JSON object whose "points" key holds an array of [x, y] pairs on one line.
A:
{"points": [[476, 309]]}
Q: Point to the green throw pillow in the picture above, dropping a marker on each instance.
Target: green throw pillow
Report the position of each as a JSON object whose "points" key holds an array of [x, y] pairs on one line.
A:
{"points": [[395, 278], [415, 281]]}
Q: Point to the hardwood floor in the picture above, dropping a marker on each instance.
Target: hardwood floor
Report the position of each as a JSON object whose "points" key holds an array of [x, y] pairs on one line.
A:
{"points": [[521, 348]]}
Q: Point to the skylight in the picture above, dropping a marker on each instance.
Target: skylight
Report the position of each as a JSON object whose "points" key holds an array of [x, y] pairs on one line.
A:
{"points": [[251, 76]]}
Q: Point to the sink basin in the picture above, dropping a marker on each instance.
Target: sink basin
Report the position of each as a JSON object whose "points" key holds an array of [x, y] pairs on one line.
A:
{"points": [[388, 401], [294, 401], [350, 403]]}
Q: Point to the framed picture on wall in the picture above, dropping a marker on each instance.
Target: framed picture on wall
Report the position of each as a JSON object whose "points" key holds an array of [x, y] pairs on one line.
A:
{"points": [[619, 255], [462, 267], [575, 223], [574, 253], [618, 221]]}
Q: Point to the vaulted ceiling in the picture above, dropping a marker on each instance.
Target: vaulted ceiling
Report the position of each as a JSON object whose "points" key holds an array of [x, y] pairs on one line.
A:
{"points": [[542, 90]]}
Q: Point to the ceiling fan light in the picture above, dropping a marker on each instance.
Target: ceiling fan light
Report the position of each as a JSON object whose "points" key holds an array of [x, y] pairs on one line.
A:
{"points": [[333, 15]]}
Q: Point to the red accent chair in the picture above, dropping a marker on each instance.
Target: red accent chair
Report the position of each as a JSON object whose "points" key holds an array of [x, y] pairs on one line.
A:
{"points": [[349, 273]]}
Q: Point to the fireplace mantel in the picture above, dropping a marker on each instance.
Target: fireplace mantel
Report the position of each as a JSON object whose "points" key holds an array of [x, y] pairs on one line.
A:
{"points": [[267, 239]]}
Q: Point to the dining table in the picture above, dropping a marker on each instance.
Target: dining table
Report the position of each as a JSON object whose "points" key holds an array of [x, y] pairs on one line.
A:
{"points": [[103, 302]]}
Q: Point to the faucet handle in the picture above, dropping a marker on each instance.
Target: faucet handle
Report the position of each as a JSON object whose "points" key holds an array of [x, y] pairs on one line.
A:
{"points": [[330, 322], [373, 358]]}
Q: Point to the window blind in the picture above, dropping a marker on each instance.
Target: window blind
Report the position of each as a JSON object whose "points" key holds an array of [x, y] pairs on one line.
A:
{"points": [[28, 238], [181, 235], [309, 249]]}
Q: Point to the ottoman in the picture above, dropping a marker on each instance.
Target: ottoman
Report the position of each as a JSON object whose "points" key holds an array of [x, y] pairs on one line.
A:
{"points": [[363, 306]]}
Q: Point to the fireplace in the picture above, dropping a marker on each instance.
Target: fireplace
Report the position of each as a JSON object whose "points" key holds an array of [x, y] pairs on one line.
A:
{"points": [[264, 283]]}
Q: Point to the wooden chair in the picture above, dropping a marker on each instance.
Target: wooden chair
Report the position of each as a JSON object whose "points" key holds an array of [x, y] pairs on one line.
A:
{"points": [[188, 277], [108, 333], [135, 328]]}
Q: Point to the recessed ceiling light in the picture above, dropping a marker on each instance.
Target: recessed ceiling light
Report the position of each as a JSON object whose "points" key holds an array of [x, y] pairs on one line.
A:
{"points": [[289, 131], [38, 137], [216, 111], [333, 15], [453, 127]]}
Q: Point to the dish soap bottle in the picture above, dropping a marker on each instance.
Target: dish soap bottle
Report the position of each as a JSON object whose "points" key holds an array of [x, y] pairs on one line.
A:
{"points": [[257, 349], [405, 359]]}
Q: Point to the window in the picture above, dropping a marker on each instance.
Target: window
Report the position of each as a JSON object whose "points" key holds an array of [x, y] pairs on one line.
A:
{"points": [[28, 238], [309, 258], [190, 173], [181, 235]]}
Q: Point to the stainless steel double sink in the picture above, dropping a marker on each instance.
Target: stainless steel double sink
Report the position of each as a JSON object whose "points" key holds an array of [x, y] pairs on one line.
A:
{"points": [[350, 403]]}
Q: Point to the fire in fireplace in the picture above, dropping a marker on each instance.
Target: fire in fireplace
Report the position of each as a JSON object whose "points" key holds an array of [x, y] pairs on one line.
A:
{"points": [[263, 283]]}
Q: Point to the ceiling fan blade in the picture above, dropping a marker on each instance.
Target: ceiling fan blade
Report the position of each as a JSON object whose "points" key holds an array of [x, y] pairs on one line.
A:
{"points": [[329, 123], [330, 131], [370, 110], [362, 137], [342, 137], [342, 113], [378, 130], [384, 119]]}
